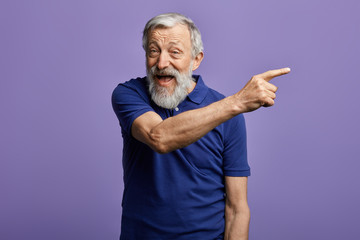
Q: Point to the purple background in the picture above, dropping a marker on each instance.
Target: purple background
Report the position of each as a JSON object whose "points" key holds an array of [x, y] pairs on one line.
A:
{"points": [[60, 169]]}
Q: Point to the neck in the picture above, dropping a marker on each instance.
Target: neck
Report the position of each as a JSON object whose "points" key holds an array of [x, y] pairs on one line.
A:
{"points": [[193, 84]]}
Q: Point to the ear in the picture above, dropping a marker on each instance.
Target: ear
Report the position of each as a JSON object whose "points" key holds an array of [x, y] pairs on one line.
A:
{"points": [[197, 60]]}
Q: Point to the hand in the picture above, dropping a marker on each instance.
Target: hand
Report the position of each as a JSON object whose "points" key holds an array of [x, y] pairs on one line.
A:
{"points": [[258, 91]]}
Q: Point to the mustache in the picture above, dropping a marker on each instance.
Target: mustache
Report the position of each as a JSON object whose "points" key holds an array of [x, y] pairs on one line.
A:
{"points": [[164, 72]]}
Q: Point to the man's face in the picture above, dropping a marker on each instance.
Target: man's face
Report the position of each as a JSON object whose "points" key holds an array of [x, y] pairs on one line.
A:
{"points": [[169, 65], [169, 48]]}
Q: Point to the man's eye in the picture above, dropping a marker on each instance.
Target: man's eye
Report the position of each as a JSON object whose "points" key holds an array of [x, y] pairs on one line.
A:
{"points": [[175, 52], [153, 52]]}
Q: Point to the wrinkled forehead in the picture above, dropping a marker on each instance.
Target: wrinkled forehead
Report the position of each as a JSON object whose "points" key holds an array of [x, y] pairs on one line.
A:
{"points": [[178, 32]]}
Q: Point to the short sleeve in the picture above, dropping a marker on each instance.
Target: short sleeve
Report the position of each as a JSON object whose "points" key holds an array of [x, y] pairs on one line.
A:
{"points": [[129, 101], [235, 149]]}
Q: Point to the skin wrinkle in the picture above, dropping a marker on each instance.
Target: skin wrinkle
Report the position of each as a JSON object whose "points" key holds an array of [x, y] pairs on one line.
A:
{"points": [[157, 35], [169, 54]]}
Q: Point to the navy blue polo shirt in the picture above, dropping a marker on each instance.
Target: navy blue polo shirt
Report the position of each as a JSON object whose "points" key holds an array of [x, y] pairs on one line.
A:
{"points": [[181, 194]]}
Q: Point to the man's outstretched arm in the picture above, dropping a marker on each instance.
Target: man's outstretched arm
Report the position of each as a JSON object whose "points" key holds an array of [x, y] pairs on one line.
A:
{"points": [[179, 131]]}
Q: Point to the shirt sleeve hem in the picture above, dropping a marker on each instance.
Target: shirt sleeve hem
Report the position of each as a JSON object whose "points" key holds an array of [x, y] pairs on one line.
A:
{"points": [[136, 115], [237, 173]]}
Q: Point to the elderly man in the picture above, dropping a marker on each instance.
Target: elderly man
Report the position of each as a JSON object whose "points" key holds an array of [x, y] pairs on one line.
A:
{"points": [[184, 156]]}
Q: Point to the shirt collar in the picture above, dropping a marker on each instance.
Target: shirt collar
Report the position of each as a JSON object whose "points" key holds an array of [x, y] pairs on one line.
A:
{"points": [[199, 93]]}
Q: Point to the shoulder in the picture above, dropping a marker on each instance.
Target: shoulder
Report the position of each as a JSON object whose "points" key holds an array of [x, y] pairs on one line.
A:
{"points": [[139, 84], [135, 86], [129, 101]]}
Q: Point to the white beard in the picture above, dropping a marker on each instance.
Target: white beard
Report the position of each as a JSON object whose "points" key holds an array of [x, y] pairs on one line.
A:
{"points": [[160, 95]]}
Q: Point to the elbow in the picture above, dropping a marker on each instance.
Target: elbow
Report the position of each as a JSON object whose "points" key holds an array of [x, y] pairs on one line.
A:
{"points": [[161, 149], [158, 143], [246, 212], [242, 210]]}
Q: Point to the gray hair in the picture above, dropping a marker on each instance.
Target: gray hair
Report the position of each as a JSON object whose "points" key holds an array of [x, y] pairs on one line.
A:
{"points": [[169, 20]]}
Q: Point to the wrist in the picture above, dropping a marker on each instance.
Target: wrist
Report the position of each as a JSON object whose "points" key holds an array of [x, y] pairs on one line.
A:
{"points": [[235, 105]]}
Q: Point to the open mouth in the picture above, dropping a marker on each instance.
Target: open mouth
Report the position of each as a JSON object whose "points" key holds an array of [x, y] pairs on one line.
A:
{"points": [[164, 80]]}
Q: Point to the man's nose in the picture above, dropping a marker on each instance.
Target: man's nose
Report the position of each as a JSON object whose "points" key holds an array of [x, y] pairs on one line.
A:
{"points": [[163, 60]]}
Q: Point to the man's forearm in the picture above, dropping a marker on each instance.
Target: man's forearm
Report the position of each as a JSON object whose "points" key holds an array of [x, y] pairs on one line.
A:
{"points": [[182, 130], [237, 225]]}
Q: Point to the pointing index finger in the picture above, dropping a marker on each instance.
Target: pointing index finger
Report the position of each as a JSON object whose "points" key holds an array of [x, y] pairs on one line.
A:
{"points": [[267, 76]]}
